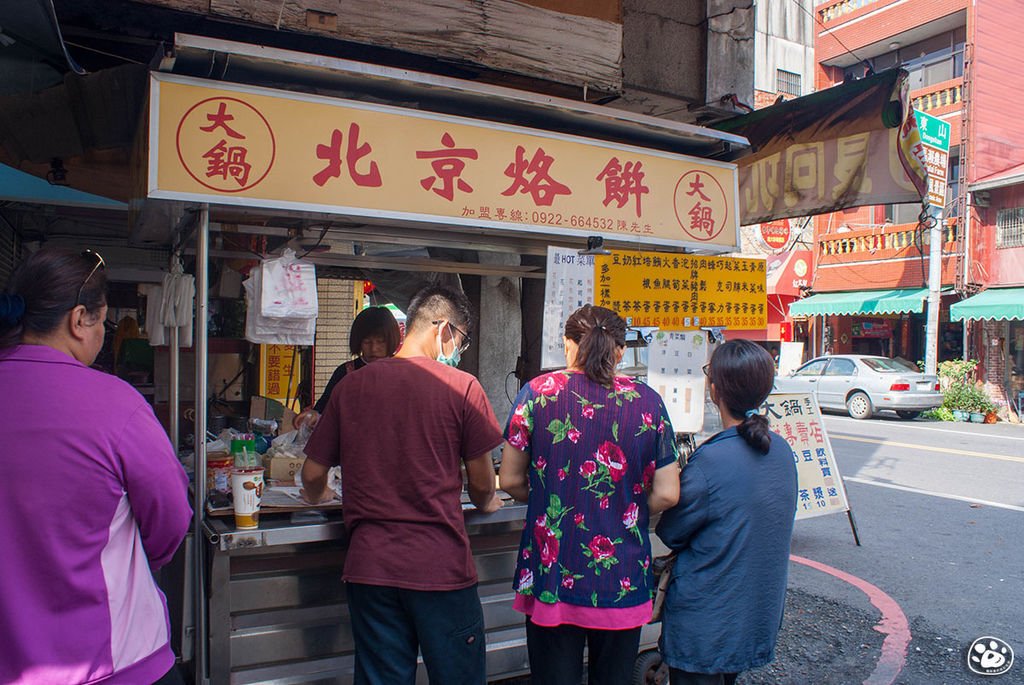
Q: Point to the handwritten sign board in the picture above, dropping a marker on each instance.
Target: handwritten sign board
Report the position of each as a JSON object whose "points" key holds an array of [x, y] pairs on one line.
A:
{"points": [[678, 292], [232, 144], [675, 362], [280, 374], [796, 417], [568, 285]]}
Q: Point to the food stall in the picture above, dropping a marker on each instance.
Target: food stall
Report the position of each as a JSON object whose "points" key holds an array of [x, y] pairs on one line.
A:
{"points": [[460, 180]]}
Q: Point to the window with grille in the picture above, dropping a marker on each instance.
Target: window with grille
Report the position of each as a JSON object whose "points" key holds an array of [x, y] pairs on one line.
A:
{"points": [[787, 82], [1010, 227]]}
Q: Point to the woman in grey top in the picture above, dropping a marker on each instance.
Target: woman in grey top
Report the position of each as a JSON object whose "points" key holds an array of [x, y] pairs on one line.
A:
{"points": [[731, 530]]}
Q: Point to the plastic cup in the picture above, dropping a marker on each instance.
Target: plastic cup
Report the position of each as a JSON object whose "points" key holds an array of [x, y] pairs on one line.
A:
{"points": [[247, 489]]}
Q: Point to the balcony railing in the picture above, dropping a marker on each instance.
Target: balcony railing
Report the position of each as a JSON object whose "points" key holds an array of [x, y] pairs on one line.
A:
{"points": [[938, 95], [877, 241], [842, 7]]}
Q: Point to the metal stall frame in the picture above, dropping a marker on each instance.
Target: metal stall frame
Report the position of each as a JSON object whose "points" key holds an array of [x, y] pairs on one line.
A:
{"points": [[215, 545]]}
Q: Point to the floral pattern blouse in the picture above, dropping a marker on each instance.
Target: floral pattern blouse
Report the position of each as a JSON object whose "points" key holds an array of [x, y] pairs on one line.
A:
{"points": [[593, 453]]}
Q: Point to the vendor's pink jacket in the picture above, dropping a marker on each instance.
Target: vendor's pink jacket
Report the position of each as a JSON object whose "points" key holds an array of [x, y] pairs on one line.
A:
{"points": [[91, 499]]}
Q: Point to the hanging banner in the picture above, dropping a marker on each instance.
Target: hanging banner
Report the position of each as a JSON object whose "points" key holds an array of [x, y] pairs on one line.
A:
{"points": [[232, 144], [850, 145], [280, 374], [678, 292], [568, 285], [796, 417]]}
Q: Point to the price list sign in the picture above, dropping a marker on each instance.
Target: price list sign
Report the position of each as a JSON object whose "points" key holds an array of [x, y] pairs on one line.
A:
{"points": [[568, 285], [679, 292]]}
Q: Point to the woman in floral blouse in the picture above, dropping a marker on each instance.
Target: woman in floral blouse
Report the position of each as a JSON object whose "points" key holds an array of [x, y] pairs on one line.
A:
{"points": [[594, 456]]}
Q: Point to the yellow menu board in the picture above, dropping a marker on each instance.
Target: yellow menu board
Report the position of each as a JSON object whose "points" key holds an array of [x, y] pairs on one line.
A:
{"points": [[677, 292]]}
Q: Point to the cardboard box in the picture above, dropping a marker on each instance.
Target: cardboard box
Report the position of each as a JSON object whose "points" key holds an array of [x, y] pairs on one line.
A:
{"points": [[283, 468], [266, 408]]}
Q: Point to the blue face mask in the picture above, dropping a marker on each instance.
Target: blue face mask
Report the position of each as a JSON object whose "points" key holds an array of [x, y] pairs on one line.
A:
{"points": [[451, 359]]}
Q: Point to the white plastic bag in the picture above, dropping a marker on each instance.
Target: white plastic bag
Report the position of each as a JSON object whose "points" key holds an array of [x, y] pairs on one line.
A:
{"points": [[272, 331], [289, 288]]}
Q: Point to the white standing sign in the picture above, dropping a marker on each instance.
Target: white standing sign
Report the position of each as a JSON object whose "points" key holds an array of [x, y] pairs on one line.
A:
{"points": [[796, 417], [568, 285], [675, 362]]}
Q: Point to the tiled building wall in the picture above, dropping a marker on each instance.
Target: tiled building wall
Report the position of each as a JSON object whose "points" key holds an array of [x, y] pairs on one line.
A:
{"points": [[337, 309]]}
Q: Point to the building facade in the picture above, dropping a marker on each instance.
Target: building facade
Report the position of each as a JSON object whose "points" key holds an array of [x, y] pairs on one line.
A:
{"points": [[959, 56], [784, 69]]}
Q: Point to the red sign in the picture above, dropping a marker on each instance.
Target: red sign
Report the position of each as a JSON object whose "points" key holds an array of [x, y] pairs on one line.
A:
{"points": [[775, 234]]}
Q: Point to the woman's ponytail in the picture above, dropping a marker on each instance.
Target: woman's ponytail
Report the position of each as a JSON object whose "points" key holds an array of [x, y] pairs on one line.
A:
{"points": [[599, 333], [756, 431]]}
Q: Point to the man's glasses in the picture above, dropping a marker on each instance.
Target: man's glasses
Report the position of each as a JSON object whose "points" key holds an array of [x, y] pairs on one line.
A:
{"points": [[100, 264], [466, 338]]}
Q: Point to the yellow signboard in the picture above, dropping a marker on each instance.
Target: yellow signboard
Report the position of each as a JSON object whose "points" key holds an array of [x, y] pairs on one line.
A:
{"points": [[280, 374], [796, 417], [675, 292], [242, 145]]}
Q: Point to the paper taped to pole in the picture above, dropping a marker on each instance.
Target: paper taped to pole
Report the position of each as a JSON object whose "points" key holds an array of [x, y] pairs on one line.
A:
{"points": [[675, 362]]}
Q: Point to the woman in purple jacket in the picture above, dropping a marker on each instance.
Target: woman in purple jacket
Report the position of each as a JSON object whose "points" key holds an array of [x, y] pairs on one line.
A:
{"points": [[92, 499]]}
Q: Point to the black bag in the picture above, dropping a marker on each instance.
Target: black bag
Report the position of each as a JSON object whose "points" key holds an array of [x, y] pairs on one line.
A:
{"points": [[662, 569]]}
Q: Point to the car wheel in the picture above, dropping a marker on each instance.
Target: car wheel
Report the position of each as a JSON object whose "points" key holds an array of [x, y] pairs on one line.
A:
{"points": [[908, 415], [858, 406]]}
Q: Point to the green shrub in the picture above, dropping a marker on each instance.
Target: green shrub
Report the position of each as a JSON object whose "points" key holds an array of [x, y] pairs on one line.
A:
{"points": [[968, 398], [938, 414]]}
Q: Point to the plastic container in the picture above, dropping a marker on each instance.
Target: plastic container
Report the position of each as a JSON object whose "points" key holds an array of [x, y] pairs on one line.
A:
{"points": [[243, 449], [218, 472]]}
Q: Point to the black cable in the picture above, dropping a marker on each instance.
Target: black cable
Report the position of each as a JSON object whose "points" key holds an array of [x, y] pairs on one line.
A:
{"points": [[511, 400], [814, 16], [318, 242]]}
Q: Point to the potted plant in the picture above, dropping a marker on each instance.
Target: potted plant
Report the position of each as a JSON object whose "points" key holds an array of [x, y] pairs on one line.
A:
{"points": [[955, 400], [978, 404]]}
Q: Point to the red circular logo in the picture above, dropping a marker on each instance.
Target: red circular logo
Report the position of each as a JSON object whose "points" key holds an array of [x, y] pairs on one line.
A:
{"points": [[225, 144], [775, 234], [700, 205]]}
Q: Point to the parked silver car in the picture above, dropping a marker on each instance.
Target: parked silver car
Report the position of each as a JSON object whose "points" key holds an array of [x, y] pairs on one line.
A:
{"points": [[863, 384]]}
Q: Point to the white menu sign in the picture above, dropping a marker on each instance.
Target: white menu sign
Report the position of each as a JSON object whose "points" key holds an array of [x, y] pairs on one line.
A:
{"points": [[675, 369], [568, 285]]}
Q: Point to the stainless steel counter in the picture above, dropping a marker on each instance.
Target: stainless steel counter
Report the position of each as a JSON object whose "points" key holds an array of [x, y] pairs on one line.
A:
{"points": [[277, 608]]}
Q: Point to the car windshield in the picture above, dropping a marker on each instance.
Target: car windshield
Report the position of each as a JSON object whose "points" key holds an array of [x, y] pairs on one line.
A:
{"points": [[884, 365]]}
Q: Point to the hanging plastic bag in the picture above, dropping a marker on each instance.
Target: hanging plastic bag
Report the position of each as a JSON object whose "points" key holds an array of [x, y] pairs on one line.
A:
{"points": [[272, 331], [289, 288]]}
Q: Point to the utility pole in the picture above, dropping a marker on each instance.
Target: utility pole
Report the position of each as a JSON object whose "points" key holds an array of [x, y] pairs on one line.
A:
{"points": [[935, 141], [931, 336]]}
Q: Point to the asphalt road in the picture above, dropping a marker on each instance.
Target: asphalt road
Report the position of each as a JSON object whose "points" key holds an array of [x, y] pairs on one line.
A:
{"points": [[940, 512]]}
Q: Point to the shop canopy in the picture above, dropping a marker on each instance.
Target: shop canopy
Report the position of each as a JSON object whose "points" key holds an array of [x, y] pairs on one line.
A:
{"points": [[865, 302], [998, 304]]}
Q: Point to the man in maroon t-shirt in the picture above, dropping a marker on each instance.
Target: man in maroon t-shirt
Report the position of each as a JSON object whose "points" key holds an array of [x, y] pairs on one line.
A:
{"points": [[401, 429]]}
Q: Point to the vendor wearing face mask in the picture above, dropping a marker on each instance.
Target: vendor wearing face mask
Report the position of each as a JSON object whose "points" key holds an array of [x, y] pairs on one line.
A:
{"points": [[401, 430]]}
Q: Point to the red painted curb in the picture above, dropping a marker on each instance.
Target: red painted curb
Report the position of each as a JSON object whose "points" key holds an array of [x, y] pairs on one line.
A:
{"points": [[893, 625]]}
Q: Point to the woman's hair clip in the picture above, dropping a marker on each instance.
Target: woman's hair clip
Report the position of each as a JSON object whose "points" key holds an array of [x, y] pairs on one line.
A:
{"points": [[751, 412], [12, 308]]}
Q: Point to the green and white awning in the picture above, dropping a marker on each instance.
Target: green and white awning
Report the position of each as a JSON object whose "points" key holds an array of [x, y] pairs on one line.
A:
{"points": [[997, 304], [862, 302]]}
